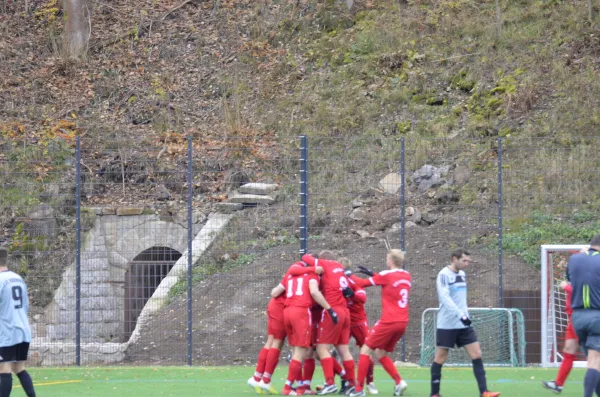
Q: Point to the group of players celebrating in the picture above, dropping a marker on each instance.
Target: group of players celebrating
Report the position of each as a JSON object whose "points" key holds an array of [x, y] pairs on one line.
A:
{"points": [[319, 304]]}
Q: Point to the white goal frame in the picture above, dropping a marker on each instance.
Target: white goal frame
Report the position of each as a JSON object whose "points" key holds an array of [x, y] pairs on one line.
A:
{"points": [[549, 347]]}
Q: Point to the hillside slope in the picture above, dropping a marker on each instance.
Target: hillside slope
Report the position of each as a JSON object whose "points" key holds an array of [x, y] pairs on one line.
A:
{"points": [[244, 78]]}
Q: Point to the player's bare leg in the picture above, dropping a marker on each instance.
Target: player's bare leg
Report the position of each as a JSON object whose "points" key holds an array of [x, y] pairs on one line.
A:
{"points": [[327, 365], [18, 369], [474, 352], [254, 380], [569, 354], [270, 365], [5, 379]]}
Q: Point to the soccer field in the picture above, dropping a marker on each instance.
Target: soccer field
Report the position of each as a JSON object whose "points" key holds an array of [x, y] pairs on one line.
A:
{"points": [[231, 381]]}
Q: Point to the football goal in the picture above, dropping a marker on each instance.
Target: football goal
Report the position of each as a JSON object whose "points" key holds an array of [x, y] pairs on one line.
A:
{"points": [[554, 318], [500, 331]]}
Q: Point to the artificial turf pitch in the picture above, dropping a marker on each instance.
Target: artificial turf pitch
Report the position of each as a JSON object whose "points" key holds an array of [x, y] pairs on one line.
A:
{"points": [[231, 381]]}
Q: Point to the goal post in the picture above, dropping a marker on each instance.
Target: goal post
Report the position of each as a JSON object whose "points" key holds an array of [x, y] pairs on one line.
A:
{"points": [[500, 332], [553, 300]]}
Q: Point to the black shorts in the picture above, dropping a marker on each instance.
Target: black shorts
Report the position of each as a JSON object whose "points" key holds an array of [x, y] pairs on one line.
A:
{"points": [[449, 338], [11, 354], [587, 326]]}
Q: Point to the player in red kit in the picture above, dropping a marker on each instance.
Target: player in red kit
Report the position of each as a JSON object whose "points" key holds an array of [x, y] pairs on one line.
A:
{"points": [[301, 293], [276, 334], [570, 348], [333, 331], [359, 325], [395, 289]]}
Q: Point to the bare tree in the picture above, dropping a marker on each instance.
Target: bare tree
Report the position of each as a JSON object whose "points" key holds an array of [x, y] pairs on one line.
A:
{"points": [[77, 27]]}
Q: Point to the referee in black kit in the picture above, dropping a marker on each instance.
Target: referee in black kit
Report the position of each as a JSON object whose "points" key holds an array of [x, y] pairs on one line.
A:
{"points": [[583, 271]]}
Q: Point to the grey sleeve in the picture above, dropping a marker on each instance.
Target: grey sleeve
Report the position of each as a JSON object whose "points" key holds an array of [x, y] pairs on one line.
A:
{"points": [[444, 295]]}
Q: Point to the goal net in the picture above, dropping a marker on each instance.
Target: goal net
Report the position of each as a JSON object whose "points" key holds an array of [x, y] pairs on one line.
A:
{"points": [[500, 332], [554, 317]]}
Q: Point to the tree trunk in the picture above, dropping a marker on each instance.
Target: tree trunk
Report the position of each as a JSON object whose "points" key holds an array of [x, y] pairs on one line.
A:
{"points": [[77, 28]]}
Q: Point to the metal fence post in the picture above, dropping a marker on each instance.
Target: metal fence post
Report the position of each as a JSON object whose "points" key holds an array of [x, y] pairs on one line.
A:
{"points": [[189, 251], [402, 219], [500, 291], [303, 194], [77, 251]]}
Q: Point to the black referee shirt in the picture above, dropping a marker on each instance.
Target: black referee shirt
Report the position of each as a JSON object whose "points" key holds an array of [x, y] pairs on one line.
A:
{"points": [[583, 271]]}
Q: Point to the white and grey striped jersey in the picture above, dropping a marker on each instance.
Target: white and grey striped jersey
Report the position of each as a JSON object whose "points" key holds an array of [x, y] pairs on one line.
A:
{"points": [[452, 294]]}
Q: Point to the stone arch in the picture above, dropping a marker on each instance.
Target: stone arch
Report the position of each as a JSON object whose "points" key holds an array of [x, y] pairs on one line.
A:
{"points": [[143, 275], [137, 239]]}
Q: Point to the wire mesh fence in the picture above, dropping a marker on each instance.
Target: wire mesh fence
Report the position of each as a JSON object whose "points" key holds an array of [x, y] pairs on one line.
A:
{"points": [[164, 251]]}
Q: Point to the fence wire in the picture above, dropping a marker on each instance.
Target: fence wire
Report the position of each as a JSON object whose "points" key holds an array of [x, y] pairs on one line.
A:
{"points": [[143, 297]]}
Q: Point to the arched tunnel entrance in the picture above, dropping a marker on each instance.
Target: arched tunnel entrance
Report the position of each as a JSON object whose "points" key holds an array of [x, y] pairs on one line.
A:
{"points": [[143, 276]]}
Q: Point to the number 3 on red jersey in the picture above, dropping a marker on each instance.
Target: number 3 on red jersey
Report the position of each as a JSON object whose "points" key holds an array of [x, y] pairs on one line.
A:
{"points": [[403, 302]]}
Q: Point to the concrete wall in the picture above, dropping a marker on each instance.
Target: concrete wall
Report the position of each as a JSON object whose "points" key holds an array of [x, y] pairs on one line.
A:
{"points": [[112, 243]]}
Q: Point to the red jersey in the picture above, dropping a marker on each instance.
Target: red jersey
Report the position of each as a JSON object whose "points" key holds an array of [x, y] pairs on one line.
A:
{"points": [[333, 280], [569, 292], [395, 291], [297, 290], [278, 303], [356, 305]]}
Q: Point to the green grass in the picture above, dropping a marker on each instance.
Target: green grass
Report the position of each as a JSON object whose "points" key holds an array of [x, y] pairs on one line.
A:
{"points": [[524, 236], [231, 381]]}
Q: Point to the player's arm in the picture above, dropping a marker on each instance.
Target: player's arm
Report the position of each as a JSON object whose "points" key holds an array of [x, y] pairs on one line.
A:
{"points": [[566, 286], [275, 292], [300, 270], [443, 290], [309, 259], [312, 261], [313, 286], [361, 282]]}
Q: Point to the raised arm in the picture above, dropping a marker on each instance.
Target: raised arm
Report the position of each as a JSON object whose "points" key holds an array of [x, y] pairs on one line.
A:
{"points": [[361, 282]]}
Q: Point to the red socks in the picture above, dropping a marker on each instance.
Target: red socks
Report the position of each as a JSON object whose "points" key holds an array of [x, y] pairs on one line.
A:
{"points": [[294, 374], [565, 368], [327, 364], [349, 368], [337, 368], [390, 368], [370, 377], [308, 371], [260, 365], [363, 367], [271, 363]]}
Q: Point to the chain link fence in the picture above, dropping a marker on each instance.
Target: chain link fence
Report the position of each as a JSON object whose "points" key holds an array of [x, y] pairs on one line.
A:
{"points": [[164, 251]]}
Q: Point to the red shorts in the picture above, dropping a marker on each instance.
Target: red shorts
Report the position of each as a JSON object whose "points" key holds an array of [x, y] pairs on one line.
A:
{"points": [[570, 332], [334, 334], [385, 335], [298, 325], [359, 332], [275, 325]]}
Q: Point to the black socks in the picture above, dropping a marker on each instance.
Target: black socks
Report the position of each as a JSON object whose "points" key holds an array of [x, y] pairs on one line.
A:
{"points": [[27, 383], [436, 378], [480, 375]]}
